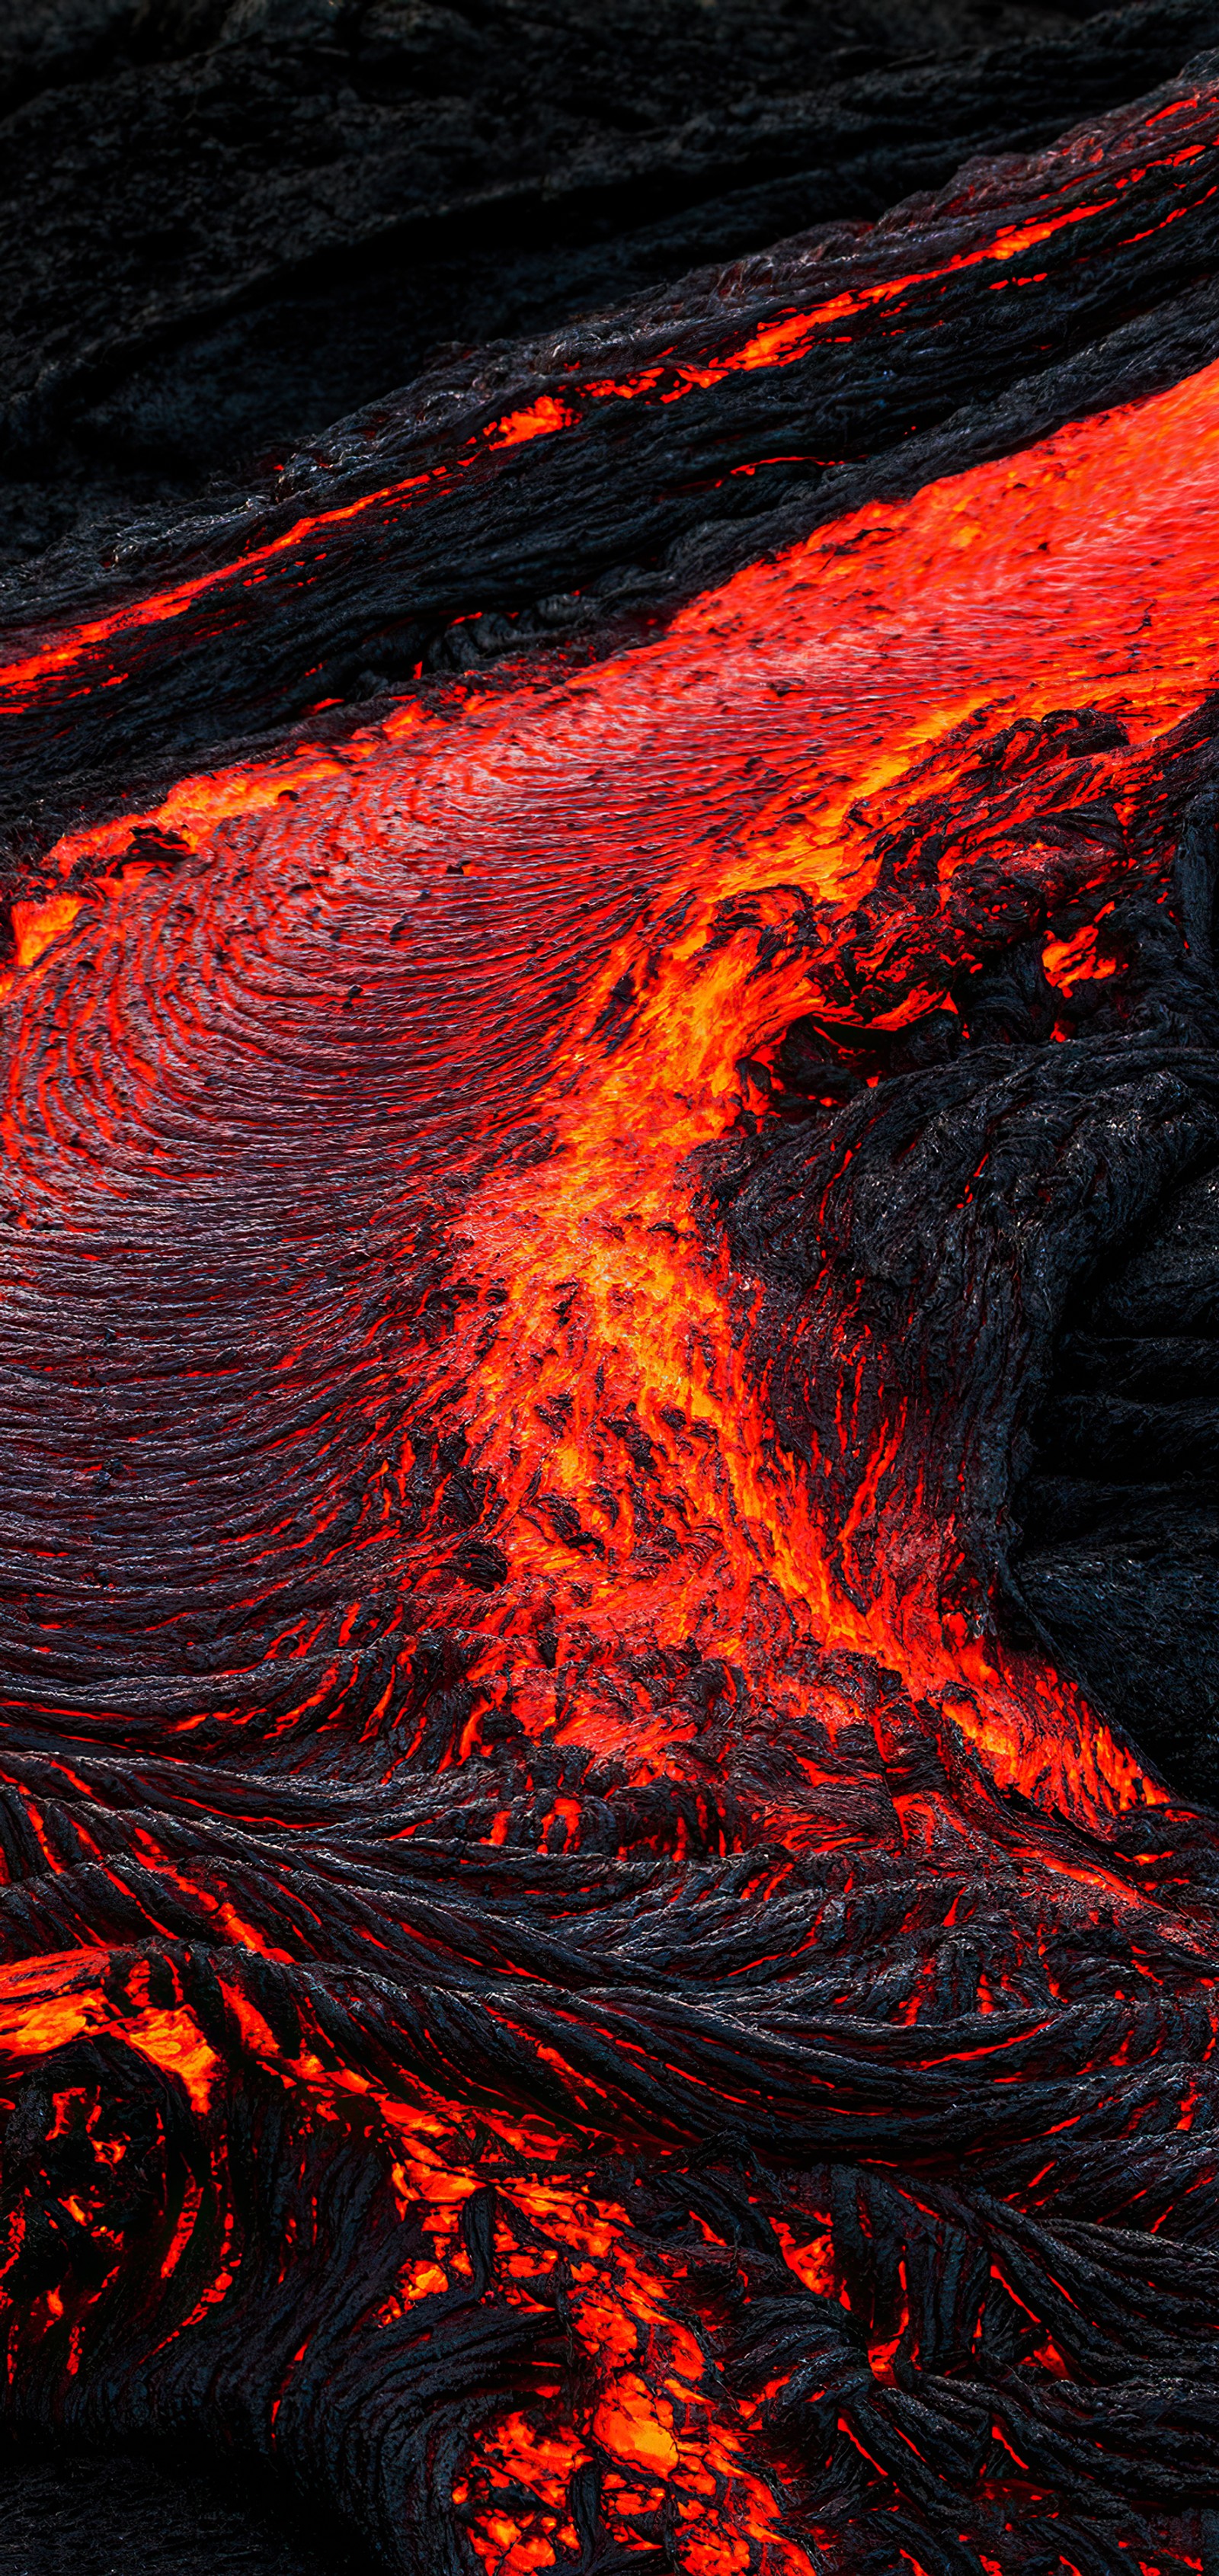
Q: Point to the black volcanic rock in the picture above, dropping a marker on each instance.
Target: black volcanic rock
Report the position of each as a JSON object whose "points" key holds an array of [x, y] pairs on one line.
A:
{"points": [[225, 228]]}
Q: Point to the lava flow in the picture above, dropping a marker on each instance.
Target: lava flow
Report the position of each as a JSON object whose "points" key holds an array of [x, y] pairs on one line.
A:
{"points": [[574, 1978], [578, 487]]}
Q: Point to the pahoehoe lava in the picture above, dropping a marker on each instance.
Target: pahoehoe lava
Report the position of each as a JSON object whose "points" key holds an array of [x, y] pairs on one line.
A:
{"points": [[608, 1345]]}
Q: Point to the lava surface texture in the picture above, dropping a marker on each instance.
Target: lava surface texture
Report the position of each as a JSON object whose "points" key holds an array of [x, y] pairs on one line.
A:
{"points": [[609, 1377]]}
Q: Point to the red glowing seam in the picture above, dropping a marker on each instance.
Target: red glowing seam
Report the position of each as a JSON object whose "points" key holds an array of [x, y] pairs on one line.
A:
{"points": [[191, 2202], [778, 343], [221, 2282], [172, 603], [297, 2356]]}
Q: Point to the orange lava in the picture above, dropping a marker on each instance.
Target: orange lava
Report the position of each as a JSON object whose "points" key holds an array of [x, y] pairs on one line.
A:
{"points": [[865, 661]]}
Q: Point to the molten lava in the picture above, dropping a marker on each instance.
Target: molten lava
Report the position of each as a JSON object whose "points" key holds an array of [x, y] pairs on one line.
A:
{"points": [[568, 1981]]}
